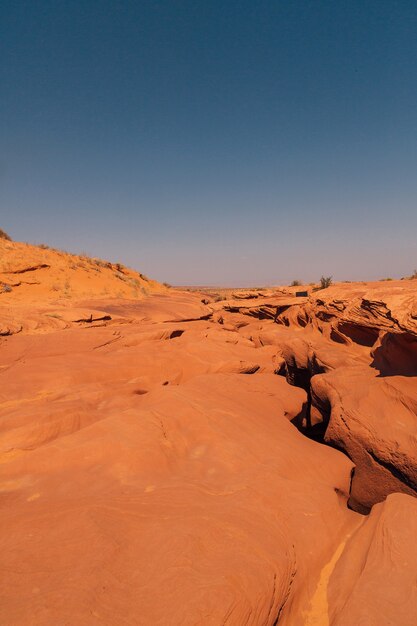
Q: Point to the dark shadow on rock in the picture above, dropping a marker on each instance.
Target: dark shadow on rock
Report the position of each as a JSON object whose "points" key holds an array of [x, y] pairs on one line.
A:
{"points": [[395, 354]]}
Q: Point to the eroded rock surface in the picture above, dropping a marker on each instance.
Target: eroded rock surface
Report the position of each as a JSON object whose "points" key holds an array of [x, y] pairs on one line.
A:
{"points": [[155, 467]]}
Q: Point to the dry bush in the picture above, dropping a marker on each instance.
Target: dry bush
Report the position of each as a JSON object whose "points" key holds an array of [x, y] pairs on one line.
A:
{"points": [[4, 235], [325, 281]]}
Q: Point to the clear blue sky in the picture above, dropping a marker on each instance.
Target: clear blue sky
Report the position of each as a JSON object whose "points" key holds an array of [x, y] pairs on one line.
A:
{"points": [[214, 142]]}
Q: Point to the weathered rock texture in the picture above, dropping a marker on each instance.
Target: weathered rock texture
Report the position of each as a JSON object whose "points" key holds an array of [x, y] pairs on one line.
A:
{"points": [[155, 467]]}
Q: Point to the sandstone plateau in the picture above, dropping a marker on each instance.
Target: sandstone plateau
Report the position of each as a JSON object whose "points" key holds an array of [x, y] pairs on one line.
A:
{"points": [[173, 457]]}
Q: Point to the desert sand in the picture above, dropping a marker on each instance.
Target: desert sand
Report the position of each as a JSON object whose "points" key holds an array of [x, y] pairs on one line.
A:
{"points": [[173, 457]]}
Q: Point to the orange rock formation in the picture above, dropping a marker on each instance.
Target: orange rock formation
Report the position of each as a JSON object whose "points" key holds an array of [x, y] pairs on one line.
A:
{"points": [[164, 458]]}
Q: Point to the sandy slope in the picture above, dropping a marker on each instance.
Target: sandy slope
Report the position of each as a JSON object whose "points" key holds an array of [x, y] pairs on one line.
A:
{"points": [[157, 456]]}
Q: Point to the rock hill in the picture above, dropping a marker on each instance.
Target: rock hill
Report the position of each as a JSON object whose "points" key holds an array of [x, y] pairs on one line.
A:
{"points": [[39, 284]]}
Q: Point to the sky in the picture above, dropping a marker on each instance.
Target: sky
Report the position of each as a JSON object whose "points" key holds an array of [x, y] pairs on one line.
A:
{"points": [[213, 143]]}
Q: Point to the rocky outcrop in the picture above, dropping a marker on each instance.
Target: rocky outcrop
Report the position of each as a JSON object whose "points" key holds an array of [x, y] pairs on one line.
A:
{"points": [[373, 420], [360, 314], [357, 360]]}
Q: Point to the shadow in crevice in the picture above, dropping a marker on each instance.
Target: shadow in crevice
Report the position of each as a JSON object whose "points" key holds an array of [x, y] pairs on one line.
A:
{"points": [[317, 431], [361, 335], [395, 354]]}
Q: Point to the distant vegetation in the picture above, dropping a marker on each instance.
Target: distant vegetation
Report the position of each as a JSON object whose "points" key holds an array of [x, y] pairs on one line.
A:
{"points": [[325, 281], [414, 275], [296, 283], [4, 235], [83, 260]]}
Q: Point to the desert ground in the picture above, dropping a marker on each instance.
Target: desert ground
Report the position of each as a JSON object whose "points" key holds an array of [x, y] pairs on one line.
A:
{"points": [[204, 457]]}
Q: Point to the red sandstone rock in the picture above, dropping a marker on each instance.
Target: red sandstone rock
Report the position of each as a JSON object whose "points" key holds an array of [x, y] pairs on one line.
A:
{"points": [[373, 581], [374, 420], [151, 469]]}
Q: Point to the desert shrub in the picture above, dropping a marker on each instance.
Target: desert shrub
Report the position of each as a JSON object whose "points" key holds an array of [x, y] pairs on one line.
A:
{"points": [[384, 279], [4, 235], [325, 281], [296, 283], [414, 275], [6, 288], [167, 285]]}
